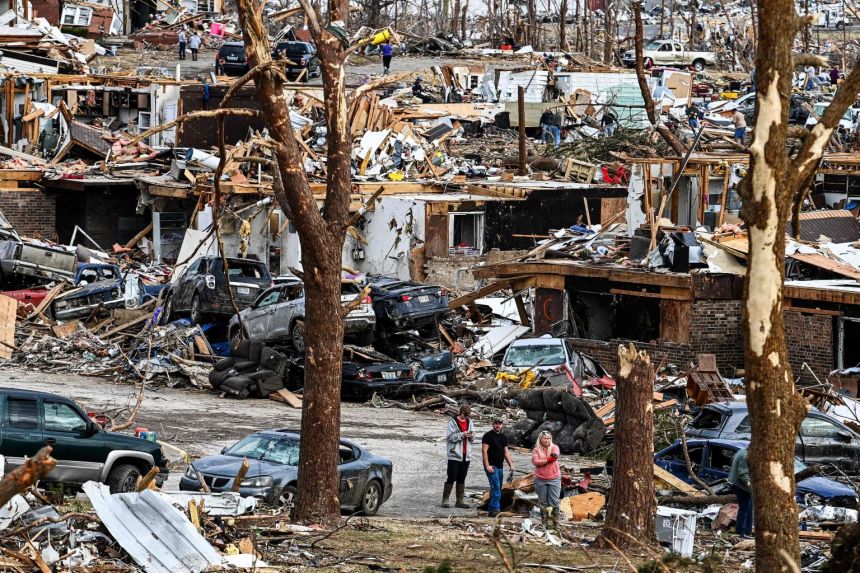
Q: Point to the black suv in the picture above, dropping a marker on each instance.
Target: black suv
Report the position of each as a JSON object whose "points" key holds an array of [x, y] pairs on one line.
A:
{"points": [[30, 420], [235, 60], [302, 54], [201, 289]]}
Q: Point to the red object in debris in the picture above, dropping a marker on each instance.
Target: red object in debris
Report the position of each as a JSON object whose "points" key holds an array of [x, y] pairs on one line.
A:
{"points": [[506, 47], [605, 382], [99, 419], [405, 297], [583, 484], [139, 430], [32, 296], [574, 385], [619, 177]]}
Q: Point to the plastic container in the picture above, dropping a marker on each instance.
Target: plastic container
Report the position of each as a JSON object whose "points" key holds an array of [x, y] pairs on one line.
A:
{"points": [[151, 436], [381, 37], [140, 430]]}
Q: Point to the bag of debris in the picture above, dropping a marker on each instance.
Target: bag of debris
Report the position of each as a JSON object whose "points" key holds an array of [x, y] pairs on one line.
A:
{"points": [[531, 400], [518, 434], [536, 415], [564, 440], [576, 407], [587, 437], [551, 426], [552, 400]]}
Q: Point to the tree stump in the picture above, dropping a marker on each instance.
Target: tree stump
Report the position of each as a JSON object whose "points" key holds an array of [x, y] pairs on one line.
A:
{"points": [[632, 507]]}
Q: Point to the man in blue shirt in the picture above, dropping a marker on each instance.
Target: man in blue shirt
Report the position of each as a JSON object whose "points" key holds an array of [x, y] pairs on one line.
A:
{"points": [[387, 51]]}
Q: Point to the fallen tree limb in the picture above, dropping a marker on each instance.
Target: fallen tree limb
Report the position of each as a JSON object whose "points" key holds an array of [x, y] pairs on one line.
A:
{"points": [[28, 474], [697, 499]]}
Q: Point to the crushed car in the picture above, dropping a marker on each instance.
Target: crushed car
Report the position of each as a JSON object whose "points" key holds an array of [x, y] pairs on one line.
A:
{"points": [[100, 286], [25, 262], [278, 314], [405, 305], [822, 439], [365, 479], [201, 289], [712, 461]]}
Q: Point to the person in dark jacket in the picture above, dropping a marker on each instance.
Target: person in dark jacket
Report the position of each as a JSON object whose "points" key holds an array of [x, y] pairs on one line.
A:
{"points": [[458, 441], [494, 451], [739, 479], [418, 90], [549, 124]]}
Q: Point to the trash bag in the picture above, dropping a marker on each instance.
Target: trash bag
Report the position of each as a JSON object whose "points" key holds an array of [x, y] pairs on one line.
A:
{"points": [[551, 426], [518, 434], [587, 437], [565, 439], [536, 415], [531, 400], [552, 400], [553, 415], [575, 406]]}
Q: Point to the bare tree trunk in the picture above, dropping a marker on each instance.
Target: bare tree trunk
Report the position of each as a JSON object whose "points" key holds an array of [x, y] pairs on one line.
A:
{"points": [[694, 34], [562, 26], [455, 20], [662, 15], [661, 128], [531, 24], [607, 33], [774, 183], [463, 14], [632, 507], [321, 236]]}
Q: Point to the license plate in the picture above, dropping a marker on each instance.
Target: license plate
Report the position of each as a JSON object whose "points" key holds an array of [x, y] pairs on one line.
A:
{"points": [[442, 377], [389, 375], [243, 290], [424, 298], [232, 58]]}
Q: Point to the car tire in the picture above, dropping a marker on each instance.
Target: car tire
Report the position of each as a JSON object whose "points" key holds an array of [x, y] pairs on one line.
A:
{"points": [[297, 336], [840, 26], [123, 478], [287, 499], [371, 499], [167, 313], [197, 316], [699, 65]]}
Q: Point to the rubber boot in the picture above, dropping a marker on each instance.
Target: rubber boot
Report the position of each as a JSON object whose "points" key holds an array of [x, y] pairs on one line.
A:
{"points": [[461, 491], [544, 515], [553, 517], [446, 494]]}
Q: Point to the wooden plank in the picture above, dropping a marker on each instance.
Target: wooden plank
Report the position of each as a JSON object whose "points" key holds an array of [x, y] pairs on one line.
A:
{"points": [[813, 310], [21, 174], [202, 345], [64, 330], [571, 268], [134, 240], [8, 319], [646, 294], [52, 294], [163, 191], [126, 325], [673, 482], [605, 409], [286, 397], [675, 319], [480, 293]]}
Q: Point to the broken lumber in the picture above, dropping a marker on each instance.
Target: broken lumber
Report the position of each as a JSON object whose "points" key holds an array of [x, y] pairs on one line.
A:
{"points": [[52, 294], [691, 500], [673, 482], [240, 475], [286, 397], [26, 475], [147, 479]]}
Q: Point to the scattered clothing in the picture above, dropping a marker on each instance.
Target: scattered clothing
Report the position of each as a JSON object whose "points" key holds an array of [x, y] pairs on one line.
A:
{"points": [[609, 123]]}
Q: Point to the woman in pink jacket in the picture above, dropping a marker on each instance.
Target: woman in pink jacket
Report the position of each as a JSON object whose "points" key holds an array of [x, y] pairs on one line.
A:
{"points": [[547, 478]]}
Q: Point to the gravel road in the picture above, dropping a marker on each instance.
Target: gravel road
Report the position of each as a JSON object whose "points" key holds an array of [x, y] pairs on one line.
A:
{"points": [[201, 423]]}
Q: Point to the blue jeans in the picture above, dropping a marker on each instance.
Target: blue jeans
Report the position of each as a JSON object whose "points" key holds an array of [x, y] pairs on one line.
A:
{"points": [[745, 511], [554, 130], [495, 480]]}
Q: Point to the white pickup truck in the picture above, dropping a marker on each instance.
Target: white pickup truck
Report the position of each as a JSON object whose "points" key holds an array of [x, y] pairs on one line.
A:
{"points": [[669, 53]]}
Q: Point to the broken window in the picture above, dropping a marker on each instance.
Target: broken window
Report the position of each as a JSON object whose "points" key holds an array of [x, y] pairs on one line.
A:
{"points": [[818, 428], [77, 15], [707, 420], [62, 418], [466, 233], [721, 458]]}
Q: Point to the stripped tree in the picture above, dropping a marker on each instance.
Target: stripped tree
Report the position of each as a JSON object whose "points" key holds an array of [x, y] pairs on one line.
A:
{"points": [[632, 509], [321, 234], [776, 184]]}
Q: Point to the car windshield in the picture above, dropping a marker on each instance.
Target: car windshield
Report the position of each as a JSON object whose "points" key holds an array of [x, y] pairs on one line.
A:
{"points": [[653, 46], [820, 108], [242, 269], [535, 355], [278, 449], [295, 49]]}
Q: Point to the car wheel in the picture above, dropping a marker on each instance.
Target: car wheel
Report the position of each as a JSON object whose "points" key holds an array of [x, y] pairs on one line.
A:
{"points": [[287, 500], [197, 316], [699, 65], [167, 313], [840, 26], [297, 336], [371, 499], [123, 478]]}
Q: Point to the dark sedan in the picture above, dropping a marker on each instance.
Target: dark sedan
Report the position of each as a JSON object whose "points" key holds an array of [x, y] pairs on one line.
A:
{"points": [[712, 460], [365, 479], [405, 305], [822, 440]]}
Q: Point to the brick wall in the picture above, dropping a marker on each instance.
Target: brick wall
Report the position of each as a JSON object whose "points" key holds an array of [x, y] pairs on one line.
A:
{"points": [[716, 329], [47, 9], [31, 213], [810, 340]]}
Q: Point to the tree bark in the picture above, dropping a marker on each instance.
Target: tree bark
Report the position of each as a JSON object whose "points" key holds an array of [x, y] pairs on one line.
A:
{"points": [[28, 474], [607, 33], [632, 507], [562, 26], [660, 127], [321, 237], [774, 182]]}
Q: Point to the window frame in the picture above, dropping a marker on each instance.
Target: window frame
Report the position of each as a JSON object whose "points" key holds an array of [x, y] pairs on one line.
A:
{"points": [[480, 221], [8, 413]]}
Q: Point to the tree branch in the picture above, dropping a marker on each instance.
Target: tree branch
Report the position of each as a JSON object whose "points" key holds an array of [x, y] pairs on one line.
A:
{"points": [[32, 470]]}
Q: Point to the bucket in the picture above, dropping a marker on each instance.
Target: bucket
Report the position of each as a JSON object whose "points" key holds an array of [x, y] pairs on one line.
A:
{"points": [[151, 436], [381, 37], [140, 430]]}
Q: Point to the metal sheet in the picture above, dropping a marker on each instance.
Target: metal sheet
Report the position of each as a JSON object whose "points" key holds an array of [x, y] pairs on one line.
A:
{"points": [[157, 536]]}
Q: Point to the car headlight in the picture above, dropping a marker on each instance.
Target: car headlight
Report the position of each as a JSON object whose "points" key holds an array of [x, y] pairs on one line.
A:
{"points": [[190, 472], [259, 481]]}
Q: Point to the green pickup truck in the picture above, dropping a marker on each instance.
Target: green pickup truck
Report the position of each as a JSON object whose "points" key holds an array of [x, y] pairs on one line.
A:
{"points": [[30, 420]]}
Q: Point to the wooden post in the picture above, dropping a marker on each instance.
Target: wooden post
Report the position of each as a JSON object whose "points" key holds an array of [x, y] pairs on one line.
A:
{"points": [[722, 217], [10, 110], [147, 479], [521, 110], [521, 309], [240, 475], [32, 470]]}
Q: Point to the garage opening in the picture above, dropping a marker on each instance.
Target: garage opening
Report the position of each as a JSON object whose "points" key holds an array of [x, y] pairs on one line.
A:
{"points": [[848, 342]]}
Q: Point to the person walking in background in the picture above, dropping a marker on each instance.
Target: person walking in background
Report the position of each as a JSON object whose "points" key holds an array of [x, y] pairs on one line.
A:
{"points": [[549, 124], [740, 123], [608, 122], [739, 478], [834, 75], [182, 44], [387, 50], [494, 451], [547, 478], [459, 438], [194, 44]]}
